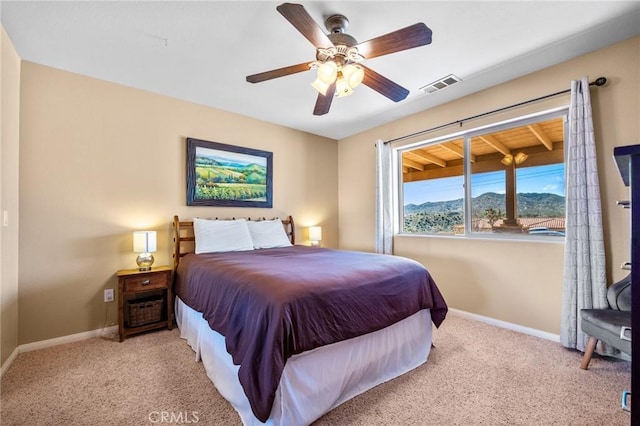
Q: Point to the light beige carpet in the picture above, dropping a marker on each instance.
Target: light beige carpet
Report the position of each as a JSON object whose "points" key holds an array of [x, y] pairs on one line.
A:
{"points": [[478, 374]]}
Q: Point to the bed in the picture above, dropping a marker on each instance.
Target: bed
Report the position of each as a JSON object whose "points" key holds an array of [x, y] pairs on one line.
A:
{"points": [[288, 332]]}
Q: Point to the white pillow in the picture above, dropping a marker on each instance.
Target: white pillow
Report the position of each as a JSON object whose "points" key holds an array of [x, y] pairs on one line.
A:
{"points": [[268, 234], [221, 235]]}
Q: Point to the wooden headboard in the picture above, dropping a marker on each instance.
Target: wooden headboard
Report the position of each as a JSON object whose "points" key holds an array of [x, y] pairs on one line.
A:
{"points": [[184, 240]]}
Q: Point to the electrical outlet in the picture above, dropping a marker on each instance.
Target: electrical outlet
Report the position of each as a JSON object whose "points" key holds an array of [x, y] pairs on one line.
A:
{"points": [[108, 295]]}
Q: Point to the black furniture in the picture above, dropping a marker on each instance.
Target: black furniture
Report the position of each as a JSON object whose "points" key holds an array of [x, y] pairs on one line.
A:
{"points": [[628, 161], [612, 325]]}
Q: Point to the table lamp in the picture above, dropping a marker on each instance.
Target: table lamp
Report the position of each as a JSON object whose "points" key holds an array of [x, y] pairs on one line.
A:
{"points": [[144, 242], [315, 235]]}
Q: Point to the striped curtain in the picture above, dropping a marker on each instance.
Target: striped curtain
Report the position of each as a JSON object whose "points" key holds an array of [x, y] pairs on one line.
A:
{"points": [[584, 282]]}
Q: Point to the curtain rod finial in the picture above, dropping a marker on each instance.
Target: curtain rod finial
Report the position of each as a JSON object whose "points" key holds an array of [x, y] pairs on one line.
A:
{"points": [[600, 81]]}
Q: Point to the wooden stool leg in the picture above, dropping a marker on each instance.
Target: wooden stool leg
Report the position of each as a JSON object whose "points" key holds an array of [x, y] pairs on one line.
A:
{"points": [[588, 352]]}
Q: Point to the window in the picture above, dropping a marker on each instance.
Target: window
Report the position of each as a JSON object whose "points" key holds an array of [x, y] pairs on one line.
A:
{"points": [[504, 179]]}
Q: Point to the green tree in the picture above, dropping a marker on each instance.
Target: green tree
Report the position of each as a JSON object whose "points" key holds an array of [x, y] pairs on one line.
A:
{"points": [[493, 215]]}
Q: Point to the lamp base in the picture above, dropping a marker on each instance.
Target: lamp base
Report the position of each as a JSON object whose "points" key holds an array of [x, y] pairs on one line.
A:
{"points": [[144, 261]]}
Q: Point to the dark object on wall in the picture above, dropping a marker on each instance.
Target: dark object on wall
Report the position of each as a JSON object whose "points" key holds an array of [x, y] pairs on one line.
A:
{"points": [[628, 161], [228, 176]]}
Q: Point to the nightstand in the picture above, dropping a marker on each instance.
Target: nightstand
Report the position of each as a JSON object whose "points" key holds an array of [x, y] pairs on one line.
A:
{"points": [[145, 300]]}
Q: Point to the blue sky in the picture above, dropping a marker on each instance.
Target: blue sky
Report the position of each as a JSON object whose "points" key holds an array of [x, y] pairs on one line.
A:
{"points": [[549, 179]]}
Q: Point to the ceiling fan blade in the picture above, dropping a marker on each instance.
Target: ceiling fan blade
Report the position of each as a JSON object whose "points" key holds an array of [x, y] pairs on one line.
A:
{"points": [[323, 103], [280, 72], [406, 38], [299, 18], [383, 85]]}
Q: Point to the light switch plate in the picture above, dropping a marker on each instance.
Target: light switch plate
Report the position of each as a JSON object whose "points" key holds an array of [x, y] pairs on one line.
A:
{"points": [[108, 295]]}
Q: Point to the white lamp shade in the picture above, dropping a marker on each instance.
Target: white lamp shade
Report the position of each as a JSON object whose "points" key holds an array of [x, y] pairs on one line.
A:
{"points": [[315, 233], [327, 72], [342, 87], [320, 86], [144, 241], [353, 74]]}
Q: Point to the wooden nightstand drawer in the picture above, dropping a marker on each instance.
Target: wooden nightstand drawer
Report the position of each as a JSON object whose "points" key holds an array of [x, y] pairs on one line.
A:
{"points": [[148, 282], [150, 295]]}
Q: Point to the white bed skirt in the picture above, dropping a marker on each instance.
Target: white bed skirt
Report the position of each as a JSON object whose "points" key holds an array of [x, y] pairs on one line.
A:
{"points": [[316, 381]]}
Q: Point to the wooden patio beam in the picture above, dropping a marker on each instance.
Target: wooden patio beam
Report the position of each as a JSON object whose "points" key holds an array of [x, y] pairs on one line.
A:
{"points": [[495, 144], [541, 136], [450, 146], [430, 158], [406, 162]]}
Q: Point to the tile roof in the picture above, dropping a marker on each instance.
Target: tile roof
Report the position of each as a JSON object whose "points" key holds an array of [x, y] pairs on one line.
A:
{"points": [[551, 223]]}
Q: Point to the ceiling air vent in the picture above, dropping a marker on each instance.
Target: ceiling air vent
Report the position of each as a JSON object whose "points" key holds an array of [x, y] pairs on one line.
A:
{"points": [[444, 82]]}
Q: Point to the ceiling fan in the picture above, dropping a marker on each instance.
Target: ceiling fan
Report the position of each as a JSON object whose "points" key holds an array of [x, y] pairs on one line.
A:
{"points": [[339, 56]]}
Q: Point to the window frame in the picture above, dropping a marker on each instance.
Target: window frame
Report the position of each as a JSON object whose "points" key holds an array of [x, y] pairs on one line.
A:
{"points": [[467, 135]]}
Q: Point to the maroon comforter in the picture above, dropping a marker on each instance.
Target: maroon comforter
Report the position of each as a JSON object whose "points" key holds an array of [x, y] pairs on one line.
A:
{"points": [[273, 303]]}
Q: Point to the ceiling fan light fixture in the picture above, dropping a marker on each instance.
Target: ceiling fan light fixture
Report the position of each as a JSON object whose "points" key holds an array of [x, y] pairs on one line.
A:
{"points": [[353, 74], [342, 86], [327, 72], [321, 86], [343, 50]]}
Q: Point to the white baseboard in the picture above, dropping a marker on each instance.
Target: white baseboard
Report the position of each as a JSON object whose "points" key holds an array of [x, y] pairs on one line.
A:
{"points": [[28, 347], [9, 361], [508, 325]]}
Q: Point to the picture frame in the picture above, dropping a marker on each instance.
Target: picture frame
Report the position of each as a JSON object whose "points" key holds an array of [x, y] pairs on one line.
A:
{"points": [[228, 176]]}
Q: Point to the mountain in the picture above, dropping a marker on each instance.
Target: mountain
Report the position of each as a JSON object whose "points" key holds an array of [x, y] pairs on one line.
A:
{"points": [[541, 205], [216, 160], [254, 168], [529, 205], [206, 161]]}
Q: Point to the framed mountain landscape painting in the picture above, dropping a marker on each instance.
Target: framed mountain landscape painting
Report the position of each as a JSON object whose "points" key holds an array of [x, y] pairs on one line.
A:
{"points": [[228, 175]]}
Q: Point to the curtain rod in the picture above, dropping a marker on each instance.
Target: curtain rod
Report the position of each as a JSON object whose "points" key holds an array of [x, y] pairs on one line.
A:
{"points": [[600, 81]]}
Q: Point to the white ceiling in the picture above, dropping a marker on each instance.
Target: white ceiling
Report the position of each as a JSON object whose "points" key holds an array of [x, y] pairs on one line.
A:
{"points": [[202, 51]]}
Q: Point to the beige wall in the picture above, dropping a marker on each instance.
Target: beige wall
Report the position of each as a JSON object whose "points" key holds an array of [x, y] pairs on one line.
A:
{"points": [[10, 124], [515, 282], [99, 160]]}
